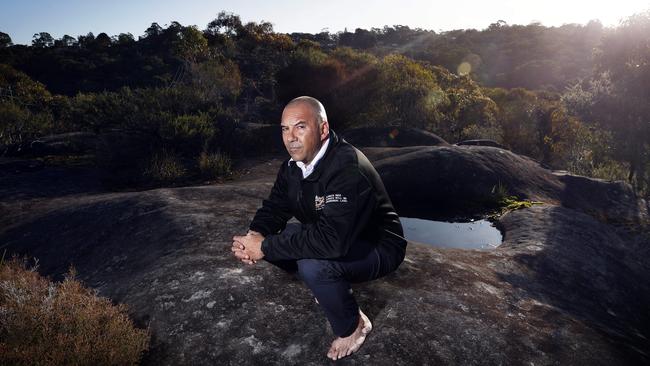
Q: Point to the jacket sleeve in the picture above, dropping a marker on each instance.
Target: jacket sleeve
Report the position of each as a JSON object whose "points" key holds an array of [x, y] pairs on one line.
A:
{"points": [[272, 217], [347, 209]]}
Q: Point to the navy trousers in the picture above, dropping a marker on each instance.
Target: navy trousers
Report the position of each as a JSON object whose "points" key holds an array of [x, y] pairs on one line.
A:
{"points": [[329, 279]]}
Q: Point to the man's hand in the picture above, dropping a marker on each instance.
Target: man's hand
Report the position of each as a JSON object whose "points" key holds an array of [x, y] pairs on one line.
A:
{"points": [[248, 248]]}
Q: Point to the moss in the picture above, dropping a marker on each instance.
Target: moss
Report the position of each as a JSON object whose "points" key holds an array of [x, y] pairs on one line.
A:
{"points": [[505, 202]]}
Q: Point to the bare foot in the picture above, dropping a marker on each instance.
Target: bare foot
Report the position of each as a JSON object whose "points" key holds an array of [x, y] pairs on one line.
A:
{"points": [[342, 347]]}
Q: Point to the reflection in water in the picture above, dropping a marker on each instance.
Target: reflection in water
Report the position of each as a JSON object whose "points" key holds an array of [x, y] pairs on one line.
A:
{"points": [[479, 234]]}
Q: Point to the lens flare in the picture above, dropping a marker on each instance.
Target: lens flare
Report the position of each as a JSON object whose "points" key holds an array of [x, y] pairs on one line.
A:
{"points": [[464, 68]]}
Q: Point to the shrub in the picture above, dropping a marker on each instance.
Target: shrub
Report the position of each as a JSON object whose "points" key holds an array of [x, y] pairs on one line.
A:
{"points": [[214, 165], [188, 133], [164, 167], [503, 201], [46, 323]]}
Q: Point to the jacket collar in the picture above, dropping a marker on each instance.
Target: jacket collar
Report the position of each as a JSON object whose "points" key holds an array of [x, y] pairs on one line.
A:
{"points": [[324, 161]]}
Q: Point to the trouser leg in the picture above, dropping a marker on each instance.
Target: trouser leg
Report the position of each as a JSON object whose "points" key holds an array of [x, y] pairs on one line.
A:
{"points": [[332, 291], [329, 281]]}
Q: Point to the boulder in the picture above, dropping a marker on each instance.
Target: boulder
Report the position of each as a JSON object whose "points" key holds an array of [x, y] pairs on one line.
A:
{"points": [[443, 181], [391, 137], [481, 142]]}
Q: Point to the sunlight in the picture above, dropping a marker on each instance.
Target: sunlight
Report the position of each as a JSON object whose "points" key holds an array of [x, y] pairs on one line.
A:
{"points": [[464, 68], [610, 13]]}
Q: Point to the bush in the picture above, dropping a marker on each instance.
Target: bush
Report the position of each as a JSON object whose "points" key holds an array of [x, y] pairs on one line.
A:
{"points": [[164, 167], [188, 133], [46, 323], [214, 165]]}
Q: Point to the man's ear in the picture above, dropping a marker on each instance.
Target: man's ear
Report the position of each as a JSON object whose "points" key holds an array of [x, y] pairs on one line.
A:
{"points": [[324, 130]]}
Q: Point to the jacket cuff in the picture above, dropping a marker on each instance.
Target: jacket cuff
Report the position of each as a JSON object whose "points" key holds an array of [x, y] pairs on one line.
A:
{"points": [[259, 229], [266, 248]]}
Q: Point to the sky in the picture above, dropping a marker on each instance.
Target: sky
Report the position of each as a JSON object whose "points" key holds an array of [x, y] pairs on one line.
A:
{"points": [[22, 18]]}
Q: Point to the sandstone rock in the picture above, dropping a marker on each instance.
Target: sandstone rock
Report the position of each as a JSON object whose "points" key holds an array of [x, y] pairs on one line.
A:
{"points": [[481, 142], [440, 181], [566, 286]]}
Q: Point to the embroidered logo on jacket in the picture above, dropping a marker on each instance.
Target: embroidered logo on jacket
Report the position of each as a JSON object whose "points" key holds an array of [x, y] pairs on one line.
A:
{"points": [[319, 202], [337, 197]]}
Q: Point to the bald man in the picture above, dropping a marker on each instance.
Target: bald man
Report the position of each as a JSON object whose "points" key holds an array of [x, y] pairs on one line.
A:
{"points": [[349, 230]]}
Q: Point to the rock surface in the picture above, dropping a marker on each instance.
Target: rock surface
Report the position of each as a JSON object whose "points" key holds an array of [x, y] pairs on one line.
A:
{"points": [[569, 285], [481, 142]]}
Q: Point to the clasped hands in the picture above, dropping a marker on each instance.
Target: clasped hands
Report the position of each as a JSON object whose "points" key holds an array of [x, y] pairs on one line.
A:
{"points": [[248, 248]]}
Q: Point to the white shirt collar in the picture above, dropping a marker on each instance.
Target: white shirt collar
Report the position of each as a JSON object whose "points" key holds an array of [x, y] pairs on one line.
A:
{"points": [[309, 168]]}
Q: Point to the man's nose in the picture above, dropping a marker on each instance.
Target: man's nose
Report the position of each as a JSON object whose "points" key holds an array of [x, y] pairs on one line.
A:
{"points": [[291, 135]]}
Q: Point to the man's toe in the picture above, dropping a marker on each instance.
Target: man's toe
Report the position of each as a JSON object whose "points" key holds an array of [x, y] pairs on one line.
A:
{"points": [[332, 352]]}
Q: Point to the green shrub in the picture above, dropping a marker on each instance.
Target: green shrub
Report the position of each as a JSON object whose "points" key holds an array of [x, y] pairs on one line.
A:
{"points": [[188, 133], [473, 131], [19, 124], [46, 323], [501, 199], [214, 165], [164, 167]]}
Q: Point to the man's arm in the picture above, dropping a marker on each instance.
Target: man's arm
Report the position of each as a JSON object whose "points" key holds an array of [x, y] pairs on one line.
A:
{"points": [[348, 205], [275, 211]]}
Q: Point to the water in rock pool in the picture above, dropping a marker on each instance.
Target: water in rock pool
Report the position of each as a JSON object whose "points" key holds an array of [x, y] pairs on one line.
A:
{"points": [[479, 234]]}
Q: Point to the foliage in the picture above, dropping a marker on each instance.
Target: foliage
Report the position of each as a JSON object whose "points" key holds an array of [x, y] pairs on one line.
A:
{"points": [[24, 107], [214, 165], [410, 95], [615, 99], [5, 40], [215, 80], [191, 45], [46, 323], [539, 125], [191, 129], [185, 90], [506, 202], [164, 167]]}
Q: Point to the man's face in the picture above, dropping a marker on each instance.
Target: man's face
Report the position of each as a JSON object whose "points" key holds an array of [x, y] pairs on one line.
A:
{"points": [[301, 133]]}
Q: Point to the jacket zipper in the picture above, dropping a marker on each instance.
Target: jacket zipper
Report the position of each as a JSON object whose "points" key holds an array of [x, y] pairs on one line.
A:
{"points": [[299, 201]]}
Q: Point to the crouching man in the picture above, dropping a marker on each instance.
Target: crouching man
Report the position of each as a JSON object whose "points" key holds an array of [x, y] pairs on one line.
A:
{"points": [[349, 230]]}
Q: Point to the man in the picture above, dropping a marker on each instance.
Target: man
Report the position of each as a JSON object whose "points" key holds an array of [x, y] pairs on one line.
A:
{"points": [[350, 231]]}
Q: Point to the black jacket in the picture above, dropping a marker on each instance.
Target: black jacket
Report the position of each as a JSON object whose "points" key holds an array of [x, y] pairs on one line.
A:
{"points": [[341, 202]]}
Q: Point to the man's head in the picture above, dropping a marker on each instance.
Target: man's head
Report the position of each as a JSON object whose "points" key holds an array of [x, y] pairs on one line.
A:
{"points": [[304, 128]]}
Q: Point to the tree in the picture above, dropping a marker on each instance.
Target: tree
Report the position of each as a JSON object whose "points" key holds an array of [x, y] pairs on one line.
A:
{"points": [[153, 30], [5, 40], [410, 95], [103, 40], [42, 40], [23, 107], [124, 39], [228, 24], [624, 59], [87, 40], [65, 41], [191, 45]]}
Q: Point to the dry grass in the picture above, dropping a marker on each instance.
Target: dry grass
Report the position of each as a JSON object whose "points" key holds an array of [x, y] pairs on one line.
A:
{"points": [[165, 167], [47, 323], [215, 165]]}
